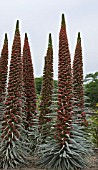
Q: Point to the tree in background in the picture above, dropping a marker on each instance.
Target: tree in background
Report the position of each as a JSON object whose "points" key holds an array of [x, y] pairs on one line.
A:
{"points": [[93, 128], [38, 82], [12, 151], [47, 85], [91, 91], [91, 88], [29, 84]]}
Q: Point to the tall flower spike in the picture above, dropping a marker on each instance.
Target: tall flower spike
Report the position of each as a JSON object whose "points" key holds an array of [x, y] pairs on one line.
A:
{"points": [[12, 126], [29, 84], [78, 77], [4, 66], [3, 75], [64, 85], [47, 85]]}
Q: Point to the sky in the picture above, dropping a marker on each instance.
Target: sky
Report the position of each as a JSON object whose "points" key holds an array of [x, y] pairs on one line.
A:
{"points": [[38, 18]]}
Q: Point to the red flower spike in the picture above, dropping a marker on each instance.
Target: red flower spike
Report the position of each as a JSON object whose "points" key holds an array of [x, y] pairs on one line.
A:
{"points": [[3, 68], [28, 82], [14, 89], [64, 85], [78, 76], [47, 84]]}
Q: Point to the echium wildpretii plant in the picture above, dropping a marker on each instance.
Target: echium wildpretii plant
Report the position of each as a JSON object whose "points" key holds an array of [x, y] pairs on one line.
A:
{"points": [[12, 146], [64, 85], [3, 74], [29, 84], [78, 91], [47, 87], [66, 148]]}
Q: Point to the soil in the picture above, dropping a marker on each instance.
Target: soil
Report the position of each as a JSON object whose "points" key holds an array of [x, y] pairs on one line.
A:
{"points": [[93, 163]]}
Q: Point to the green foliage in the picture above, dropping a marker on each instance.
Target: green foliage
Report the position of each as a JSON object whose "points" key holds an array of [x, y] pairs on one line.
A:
{"points": [[56, 84], [91, 88], [93, 128], [38, 82]]}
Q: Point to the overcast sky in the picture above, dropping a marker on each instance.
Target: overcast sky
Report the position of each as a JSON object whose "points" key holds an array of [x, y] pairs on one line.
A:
{"points": [[40, 17]]}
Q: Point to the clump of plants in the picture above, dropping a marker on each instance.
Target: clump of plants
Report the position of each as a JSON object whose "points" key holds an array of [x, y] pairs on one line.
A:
{"points": [[12, 146], [66, 148], [53, 134]]}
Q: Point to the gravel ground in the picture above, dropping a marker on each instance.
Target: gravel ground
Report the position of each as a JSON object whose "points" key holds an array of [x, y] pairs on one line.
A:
{"points": [[93, 163]]}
